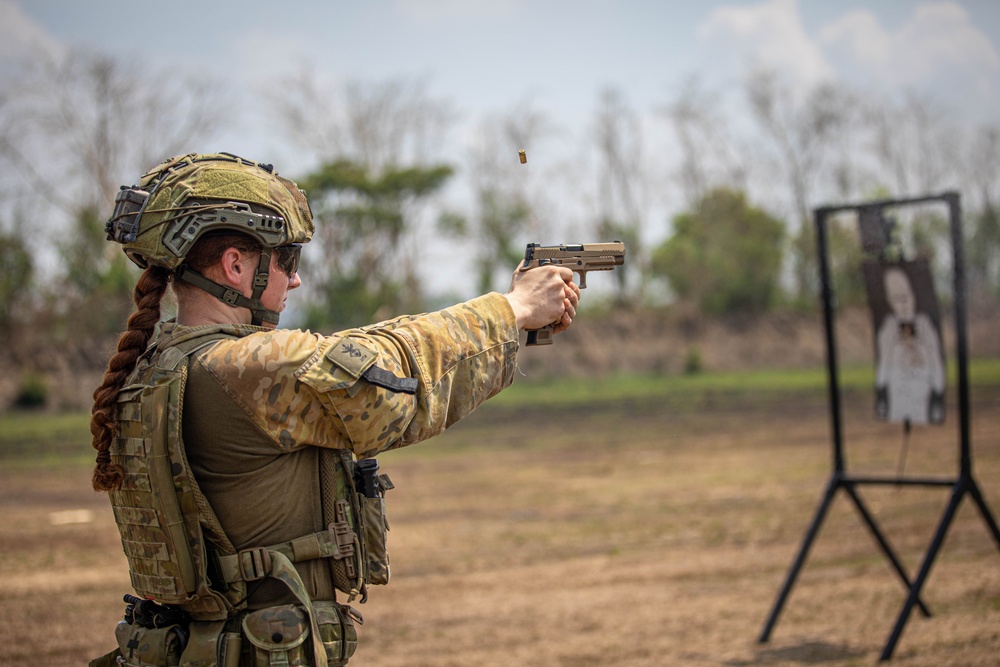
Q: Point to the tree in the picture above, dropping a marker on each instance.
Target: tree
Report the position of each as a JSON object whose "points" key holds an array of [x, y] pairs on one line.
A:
{"points": [[97, 119], [362, 220], [374, 124], [801, 133], [620, 181], [983, 256], [914, 145], [710, 155], [984, 253], [503, 211], [379, 148], [16, 269], [724, 256], [72, 128]]}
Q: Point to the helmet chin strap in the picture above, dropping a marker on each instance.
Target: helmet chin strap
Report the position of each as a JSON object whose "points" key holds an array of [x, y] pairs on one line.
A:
{"points": [[229, 296]]}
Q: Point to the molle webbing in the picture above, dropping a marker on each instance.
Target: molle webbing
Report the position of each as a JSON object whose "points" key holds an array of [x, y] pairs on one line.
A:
{"points": [[160, 511], [338, 517]]}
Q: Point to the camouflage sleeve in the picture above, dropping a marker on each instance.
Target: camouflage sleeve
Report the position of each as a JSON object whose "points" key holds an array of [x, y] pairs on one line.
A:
{"points": [[375, 388], [459, 357]]}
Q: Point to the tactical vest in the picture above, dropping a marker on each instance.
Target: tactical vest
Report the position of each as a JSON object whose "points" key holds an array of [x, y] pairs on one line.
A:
{"points": [[177, 551]]}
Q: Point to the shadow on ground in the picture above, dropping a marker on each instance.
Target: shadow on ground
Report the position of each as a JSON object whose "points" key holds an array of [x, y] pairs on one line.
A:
{"points": [[807, 653]]}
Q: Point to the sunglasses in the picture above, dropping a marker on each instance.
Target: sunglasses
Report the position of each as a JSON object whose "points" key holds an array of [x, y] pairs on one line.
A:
{"points": [[287, 257]]}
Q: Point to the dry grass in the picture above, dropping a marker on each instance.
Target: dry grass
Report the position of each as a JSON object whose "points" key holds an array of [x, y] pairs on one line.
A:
{"points": [[623, 535]]}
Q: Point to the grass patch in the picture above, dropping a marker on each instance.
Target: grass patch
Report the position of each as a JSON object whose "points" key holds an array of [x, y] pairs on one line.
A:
{"points": [[41, 438], [694, 388], [45, 438]]}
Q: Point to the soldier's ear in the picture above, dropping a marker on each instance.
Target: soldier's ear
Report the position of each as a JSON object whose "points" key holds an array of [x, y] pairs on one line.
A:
{"points": [[231, 266]]}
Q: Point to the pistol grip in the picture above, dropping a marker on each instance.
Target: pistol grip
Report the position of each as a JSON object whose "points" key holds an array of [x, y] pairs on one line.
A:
{"points": [[540, 336]]}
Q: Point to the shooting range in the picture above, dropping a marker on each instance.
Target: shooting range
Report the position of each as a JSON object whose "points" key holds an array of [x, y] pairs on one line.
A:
{"points": [[884, 254]]}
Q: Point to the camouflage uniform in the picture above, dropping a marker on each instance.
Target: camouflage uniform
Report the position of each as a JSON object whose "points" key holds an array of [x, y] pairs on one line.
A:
{"points": [[239, 504], [256, 407]]}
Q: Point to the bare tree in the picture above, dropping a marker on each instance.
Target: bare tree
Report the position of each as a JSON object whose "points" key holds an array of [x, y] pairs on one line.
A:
{"points": [[711, 156], [983, 226], [378, 124], [373, 143], [504, 204], [621, 181], [72, 129], [983, 166], [912, 142], [96, 121], [801, 133]]}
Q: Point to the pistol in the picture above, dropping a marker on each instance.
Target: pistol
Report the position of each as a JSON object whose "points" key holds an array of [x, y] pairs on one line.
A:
{"points": [[581, 258]]}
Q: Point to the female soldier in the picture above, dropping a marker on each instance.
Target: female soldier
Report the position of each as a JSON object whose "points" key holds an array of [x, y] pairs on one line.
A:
{"points": [[242, 520]]}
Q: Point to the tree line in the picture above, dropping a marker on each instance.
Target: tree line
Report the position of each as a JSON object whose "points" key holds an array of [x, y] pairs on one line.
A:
{"points": [[733, 197]]}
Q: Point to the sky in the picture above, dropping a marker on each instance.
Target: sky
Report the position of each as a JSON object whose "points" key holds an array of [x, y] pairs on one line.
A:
{"points": [[490, 56]]}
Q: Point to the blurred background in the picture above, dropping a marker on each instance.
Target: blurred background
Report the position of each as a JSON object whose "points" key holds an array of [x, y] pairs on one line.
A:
{"points": [[701, 134], [637, 496]]}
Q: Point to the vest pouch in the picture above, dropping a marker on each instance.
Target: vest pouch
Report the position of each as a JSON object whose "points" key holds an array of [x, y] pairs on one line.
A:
{"points": [[277, 636], [336, 628], [376, 528], [150, 647], [209, 645]]}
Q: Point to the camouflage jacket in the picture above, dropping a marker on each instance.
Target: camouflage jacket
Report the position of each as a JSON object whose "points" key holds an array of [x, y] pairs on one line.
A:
{"points": [[258, 403]]}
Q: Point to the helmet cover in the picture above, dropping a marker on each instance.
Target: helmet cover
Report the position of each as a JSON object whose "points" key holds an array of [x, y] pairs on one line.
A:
{"points": [[179, 200]]}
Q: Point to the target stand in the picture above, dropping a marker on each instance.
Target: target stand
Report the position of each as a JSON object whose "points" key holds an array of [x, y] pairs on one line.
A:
{"points": [[875, 234]]}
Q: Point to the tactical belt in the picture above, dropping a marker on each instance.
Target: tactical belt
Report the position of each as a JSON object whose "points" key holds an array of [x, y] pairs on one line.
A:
{"points": [[254, 564]]}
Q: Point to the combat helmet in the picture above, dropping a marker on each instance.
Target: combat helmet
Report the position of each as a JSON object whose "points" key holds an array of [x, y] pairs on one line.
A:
{"points": [[178, 201]]}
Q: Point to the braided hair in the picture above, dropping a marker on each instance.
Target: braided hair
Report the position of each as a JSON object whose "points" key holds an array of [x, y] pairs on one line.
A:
{"points": [[148, 293]]}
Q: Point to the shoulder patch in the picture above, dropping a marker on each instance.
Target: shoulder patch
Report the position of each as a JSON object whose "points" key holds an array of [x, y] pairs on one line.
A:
{"points": [[351, 355]]}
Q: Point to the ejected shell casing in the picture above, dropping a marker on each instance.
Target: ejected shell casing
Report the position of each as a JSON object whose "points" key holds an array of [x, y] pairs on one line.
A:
{"points": [[523, 156]]}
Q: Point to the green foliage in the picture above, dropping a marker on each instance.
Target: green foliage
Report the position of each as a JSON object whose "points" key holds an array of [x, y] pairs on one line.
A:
{"points": [[692, 361], [362, 218], [16, 269], [616, 230], [501, 219], [575, 393], [984, 252], [725, 255], [845, 262], [47, 439], [96, 291], [82, 251], [33, 392]]}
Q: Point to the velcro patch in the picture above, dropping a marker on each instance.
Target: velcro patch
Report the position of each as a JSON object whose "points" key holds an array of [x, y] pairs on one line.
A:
{"points": [[351, 356]]}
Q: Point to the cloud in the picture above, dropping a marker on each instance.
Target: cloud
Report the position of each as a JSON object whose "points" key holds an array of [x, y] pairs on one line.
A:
{"points": [[937, 41], [773, 34], [431, 10], [21, 37]]}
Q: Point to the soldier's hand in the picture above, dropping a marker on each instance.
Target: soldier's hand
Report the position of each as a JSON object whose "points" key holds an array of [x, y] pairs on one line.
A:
{"points": [[542, 296]]}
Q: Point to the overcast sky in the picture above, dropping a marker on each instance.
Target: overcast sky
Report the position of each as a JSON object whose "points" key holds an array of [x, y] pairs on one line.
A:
{"points": [[489, 56]]}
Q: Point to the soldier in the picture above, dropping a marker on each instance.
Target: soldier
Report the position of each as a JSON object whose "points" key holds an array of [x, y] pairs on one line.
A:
{"points": [[237, 456]]}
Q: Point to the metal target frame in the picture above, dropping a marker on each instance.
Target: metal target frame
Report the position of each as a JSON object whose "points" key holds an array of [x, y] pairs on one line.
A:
{"points": [[875, 235]]}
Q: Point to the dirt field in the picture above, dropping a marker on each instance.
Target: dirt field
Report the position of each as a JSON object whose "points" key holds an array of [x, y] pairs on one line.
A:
{"points": [[625, 534]]}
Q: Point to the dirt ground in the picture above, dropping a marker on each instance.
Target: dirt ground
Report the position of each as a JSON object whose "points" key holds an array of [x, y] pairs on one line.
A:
{"points": [[627, 534]]}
